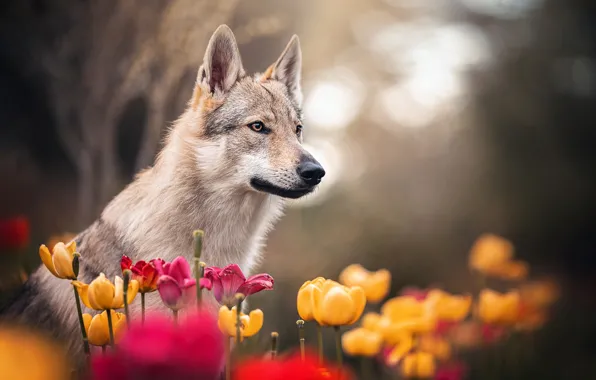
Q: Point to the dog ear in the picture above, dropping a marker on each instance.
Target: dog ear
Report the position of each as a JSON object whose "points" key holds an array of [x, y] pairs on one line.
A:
{"points": [[222, 65], [288, 68]]}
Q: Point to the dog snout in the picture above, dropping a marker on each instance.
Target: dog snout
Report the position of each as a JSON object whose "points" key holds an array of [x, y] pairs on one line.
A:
{"points": [[310, 171]]}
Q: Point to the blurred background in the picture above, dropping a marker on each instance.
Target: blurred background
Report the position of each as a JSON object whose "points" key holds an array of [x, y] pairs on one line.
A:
{"points": [[436, 120]]}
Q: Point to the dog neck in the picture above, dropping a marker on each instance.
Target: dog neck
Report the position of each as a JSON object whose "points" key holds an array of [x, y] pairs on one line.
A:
{"points": [[157, 213]]}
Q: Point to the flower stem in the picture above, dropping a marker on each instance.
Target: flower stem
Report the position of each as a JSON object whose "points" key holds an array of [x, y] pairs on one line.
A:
{"points": [[125, 296], [228, 358], [274, 337], [198, 248], [143, 308], [239, 299], [338, 346], [103, 349], [320, 343], [300, 324], [175, 312], [110, 327], [81, 323]]}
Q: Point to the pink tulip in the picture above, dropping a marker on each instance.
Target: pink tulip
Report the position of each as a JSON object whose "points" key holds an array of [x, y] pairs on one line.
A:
{"points": [[176, 285], [230, 280], [163, 350]]}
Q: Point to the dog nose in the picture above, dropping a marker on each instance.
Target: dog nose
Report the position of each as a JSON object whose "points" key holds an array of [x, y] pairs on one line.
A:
{"points": [[311, 172]]}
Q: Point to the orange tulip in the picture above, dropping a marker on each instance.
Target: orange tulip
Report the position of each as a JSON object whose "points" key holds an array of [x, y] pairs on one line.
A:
{"points": [[497, 308], [418, 365], [539, 293], [304, 299], [362, 342], [403, 308], [447, 307], [375, 284], [489, 251], [336, 305], [435, 345]]}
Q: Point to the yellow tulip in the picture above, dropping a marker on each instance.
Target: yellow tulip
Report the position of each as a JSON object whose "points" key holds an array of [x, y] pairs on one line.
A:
{"points": [[419, 325], [497, 308], [375, 284], [401, 348], [336, 305], [490, 250], [513, 270], [436, 346], [101, 294], [304, 299], [250, 324], [27, 355], [361, 342], [97, 327], [447, 307], [418, 365], [402, 308], [539, 293], [59, 261]]}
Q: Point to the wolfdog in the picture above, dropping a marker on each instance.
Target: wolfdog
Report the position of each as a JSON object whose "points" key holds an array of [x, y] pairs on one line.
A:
{"points": [[227, 164]]}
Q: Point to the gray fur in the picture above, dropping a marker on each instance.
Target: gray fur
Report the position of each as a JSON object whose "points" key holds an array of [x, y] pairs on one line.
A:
{"points": [[201, 179]]}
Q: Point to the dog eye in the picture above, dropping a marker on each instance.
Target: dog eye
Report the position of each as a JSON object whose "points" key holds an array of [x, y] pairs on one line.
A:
{"points": [[258, 126], [299, 129]]}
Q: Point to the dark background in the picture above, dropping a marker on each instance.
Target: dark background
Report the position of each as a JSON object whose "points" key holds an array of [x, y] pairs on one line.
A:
{"points": [[507, 146]]}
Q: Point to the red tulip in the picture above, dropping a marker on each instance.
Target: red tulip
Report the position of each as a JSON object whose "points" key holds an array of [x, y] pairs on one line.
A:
{"points": [[176, 285], [163, 350], [290, 368], [230, 280], [145, 273], [451, 371], [14, 233]]}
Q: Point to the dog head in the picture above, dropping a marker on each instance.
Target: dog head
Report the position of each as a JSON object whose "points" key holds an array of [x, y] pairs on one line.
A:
{"points": [[247, 130]]}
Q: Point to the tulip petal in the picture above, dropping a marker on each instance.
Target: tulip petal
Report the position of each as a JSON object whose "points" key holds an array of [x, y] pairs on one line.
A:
{"points": [[205, 283], [179, 269], [83, 290], [231, 279], [256, 283], [227, 321], [101, 293], [99, 333], [359, 298], [304, 302], [63, 261], [316, 296], [46, 258], [169, 291], [401, 349], [118, 300], [118, 325], [87, 321], [337, 307], [71, 247], [125, 263], [255, 323], [133, 289]]}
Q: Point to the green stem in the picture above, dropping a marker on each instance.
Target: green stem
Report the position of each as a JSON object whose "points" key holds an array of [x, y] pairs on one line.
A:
{"points": [[110, 327], [228, 358], [143, 308], [198, 248], [81, 323], [300, 324], [365, 368], [320, 343], [125, 296], [338, 346], [239, 299], [274, 337]]}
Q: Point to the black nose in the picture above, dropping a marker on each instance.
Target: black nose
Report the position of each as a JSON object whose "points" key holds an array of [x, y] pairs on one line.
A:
{"points": [[311, 172]]}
